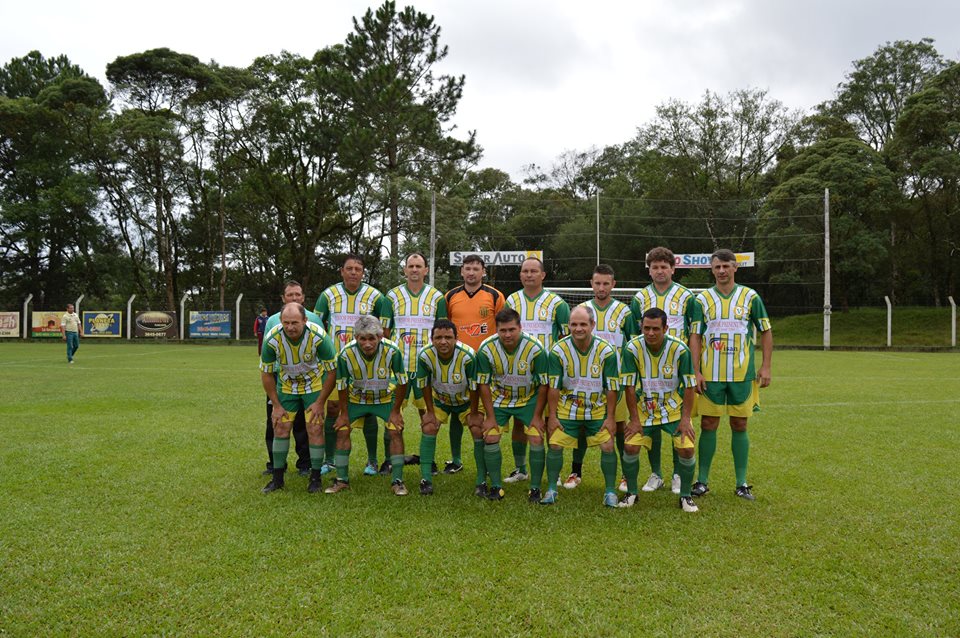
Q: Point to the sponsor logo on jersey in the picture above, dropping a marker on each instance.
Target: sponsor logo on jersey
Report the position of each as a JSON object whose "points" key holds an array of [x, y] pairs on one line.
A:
{"points": [[484, 312], [407, 337], [651, 405], [722, 346], [343, 335]]}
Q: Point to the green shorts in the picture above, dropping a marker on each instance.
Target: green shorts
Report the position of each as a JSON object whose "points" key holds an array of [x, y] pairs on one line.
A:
{"points": [[296, 402], [523, 413], [356, 411]]}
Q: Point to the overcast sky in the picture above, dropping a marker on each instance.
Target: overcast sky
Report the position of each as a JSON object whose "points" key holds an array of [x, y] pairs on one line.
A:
{"points": [[541, 77]]}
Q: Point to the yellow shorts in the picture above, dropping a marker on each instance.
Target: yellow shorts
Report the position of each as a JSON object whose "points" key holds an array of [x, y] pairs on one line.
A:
{"points": [[417, 403], [565, 436], [644, 440], [705, 407]]}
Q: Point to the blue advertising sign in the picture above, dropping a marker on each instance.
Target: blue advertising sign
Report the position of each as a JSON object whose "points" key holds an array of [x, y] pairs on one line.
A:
{"points": [[102, 323], [211, 324]]}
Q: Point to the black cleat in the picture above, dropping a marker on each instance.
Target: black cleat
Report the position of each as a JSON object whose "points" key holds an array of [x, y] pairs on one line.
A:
{"points": [[534, 495], [452, 468], [267, 472], [386, 468], [434, 470], [495, 494], [744, 492], [480, 490], [316, 483], [272, 486], [426, 487], [699, 489], [411, 459]]}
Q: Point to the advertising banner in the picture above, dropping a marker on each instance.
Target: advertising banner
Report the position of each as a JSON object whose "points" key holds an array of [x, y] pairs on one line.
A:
{"points": [[496, 257], [102, 323], [156, 324], [210, 324], [9, 324], [702, 260], [45, 325]]}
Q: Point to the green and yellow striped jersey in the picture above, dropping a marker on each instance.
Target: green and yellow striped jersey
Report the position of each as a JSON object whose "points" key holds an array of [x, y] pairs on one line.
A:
{"points": [[659, 378], [728, 325], [370, 380], [410, 317], [676, 302], [299, 365], [339, 309], [545, 316], [583, 378], [513, 377], [615, 323], [451, 380]]}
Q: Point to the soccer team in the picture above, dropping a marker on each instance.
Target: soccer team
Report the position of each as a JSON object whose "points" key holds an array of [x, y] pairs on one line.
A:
{"points": [[604, 375]]}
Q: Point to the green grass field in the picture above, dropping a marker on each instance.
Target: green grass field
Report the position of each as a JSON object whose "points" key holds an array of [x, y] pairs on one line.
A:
{"points": [[131, 505]]}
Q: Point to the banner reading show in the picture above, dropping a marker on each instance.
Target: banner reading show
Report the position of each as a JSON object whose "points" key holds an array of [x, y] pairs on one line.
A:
{"points": [[155, 324], [9, 324], [102, 323], [210, 324]]}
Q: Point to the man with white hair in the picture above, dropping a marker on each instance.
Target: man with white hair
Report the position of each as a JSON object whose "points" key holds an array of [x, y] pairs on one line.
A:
{"points": [[372, 380]]}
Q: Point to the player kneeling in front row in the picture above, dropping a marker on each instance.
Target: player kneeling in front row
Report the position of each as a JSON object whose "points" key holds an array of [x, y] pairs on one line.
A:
{"points": [[372, 380], [582, 401], [512, 382], [446, 380], [660, 388], [300, 353]]}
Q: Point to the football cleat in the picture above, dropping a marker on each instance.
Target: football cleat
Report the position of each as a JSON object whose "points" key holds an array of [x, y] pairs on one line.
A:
{"points": [[653, 484], [385, 468], [744, 492], [452, 468], [399, 488], [337, 486], [675, 484], [627, 500], [516, 476], [480, 490], [272, 486], [315, 482], [610, 499], [686, 502], [426, 487], [622, 487], [370, 469], [572, 481], [699, 489], [327, 468], [495, 494], [534, 495], [549, 498]]}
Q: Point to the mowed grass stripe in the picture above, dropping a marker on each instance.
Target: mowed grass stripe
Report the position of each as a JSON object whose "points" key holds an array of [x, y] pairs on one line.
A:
{"points": [[131, 506]]}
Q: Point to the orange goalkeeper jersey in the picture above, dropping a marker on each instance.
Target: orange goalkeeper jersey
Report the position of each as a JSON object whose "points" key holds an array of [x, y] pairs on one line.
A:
{"points": [[473, 314]]}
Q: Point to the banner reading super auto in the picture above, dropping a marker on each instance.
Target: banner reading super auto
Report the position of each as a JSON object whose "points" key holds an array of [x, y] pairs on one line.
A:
{"points": [[496, 257], [210, 324]]}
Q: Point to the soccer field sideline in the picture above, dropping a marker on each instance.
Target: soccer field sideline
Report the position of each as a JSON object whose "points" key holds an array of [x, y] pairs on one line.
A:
{"points": [[132, 507]]}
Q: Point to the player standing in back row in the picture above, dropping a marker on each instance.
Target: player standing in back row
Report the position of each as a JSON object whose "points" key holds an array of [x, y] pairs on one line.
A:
{"points": [[544, 316], [723, 330], [677, 302]]}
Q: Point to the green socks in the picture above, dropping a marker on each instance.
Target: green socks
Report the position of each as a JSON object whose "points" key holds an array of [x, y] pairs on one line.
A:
{"points": [[653, 454], [538, 458], [396, 467], [520, 455], [706, 449], [554, 465], [494, 460], [631, 468], [341, 460], [685, 467], [428, 450], [386, 444], [740, 444], [608, 465], [281, 447], [329, 437], [480, 459], [370, 438], [456, 439], [316, 455]]}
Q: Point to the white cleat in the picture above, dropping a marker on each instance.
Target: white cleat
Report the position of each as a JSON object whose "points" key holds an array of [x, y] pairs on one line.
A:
{"points": [[572, 481], [687, 504], [675, 484], [653, 484]]}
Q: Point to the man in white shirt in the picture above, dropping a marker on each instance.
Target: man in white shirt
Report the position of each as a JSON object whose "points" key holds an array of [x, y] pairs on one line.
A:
{"points": [[71, 329]]}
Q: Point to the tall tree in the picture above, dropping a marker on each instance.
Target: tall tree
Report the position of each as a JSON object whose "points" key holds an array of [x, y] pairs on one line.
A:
{"points": [[392, 56]]}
